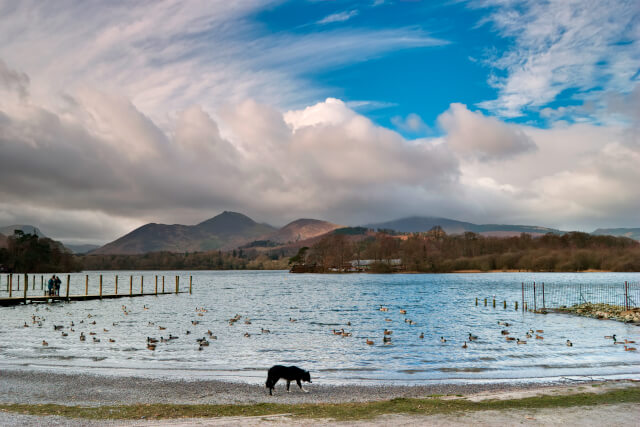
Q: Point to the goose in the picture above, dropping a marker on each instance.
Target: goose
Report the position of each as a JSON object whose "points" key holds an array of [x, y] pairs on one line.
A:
{"points": [[569, 343], [443, 339], [369, 342], [44, 343], [464, 345], [629, 348], [472, 337], [519, 341], [539, 337]]}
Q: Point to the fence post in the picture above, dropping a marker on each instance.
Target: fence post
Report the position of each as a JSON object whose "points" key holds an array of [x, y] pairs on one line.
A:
{"points": [[626, 296], [26, 286], [543, 305], [535, 305], [68, 280]]}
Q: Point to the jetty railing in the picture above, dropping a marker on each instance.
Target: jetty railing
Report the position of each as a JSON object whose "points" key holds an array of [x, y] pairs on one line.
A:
{"points": [[24, 287], [540, 296]]}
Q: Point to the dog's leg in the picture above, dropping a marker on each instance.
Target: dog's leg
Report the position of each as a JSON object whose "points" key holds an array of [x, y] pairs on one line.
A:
{"points": [[288, 384], [301, 388]]}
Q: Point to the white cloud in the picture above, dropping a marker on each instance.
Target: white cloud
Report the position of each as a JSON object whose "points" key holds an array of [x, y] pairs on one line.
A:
{"points": [[560, 45], [413, 123], [338, 17]]}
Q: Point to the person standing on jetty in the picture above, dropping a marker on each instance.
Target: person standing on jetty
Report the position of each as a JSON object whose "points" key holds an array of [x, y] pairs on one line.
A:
{"points": [[50, 285], [58, 282]]}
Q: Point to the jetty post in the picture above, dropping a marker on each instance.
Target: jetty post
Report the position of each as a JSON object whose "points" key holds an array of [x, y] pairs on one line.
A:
{"points": [[190, 283], [86, 285], [141, 285], [522, 296], [543, 305], [504, 304], [41, 282], [26, 286], [626, 296], [156, 284], [101, 286], [516, 305], [163, 284], [485, 302], [535, 306], [130, 285], [10, 284], [494, 303], [7, 283], [116, 290], [476, 301], [68, 280], [177, 283], [33, 282]]}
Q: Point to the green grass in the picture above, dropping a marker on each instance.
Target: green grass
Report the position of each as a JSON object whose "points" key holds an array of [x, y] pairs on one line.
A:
{"points": [[339, 411]]}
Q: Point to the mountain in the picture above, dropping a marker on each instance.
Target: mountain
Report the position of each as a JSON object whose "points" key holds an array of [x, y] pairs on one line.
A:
{"points": [[26, 229], [302, 229], [80, 249], [632, 233], [225, 231], [451, 226]]}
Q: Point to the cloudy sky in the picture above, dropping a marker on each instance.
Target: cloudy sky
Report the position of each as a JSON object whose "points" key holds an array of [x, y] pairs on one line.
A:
{"points": [[114, 114]]}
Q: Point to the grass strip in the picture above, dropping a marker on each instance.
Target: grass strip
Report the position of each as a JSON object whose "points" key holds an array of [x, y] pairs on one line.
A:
{"points": [[337, 411]]}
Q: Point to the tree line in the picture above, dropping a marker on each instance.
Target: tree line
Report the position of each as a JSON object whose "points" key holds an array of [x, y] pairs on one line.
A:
{"points": [[28, 253], [437, 252]]}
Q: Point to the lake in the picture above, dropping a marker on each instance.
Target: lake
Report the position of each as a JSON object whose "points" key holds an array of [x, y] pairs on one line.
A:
{"points": [[439, 304]]}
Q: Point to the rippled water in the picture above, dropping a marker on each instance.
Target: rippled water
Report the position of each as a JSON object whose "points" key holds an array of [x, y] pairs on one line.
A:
{"points": [[441, 305]]}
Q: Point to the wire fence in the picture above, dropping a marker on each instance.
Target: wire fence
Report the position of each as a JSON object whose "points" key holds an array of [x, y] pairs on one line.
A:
{"points": [[538, 296]]}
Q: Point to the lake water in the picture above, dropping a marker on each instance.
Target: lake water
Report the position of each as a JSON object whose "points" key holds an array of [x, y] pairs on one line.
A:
{"points": [[440, 305]]}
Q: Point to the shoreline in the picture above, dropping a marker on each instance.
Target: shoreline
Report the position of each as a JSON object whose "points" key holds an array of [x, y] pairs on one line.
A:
{"points": [[36, 387]]}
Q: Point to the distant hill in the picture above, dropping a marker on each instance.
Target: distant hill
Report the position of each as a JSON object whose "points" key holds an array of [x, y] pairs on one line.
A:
{"points": [[451, 226], [3, 241], [80, 249], [26, 229], [302, 229], [225, 231], [632, 233]]}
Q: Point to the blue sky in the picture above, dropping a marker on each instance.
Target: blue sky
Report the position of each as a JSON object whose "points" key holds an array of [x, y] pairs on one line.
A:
{"points": [[128, 112]]}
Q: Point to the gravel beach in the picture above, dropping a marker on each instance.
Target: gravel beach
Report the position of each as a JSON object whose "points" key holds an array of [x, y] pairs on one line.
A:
{"points": [[34, 387]]}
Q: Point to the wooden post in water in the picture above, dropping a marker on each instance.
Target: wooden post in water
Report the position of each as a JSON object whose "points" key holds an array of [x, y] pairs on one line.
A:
{"points": [[26, 286], [516, 304], [86, 285], [18, 282], [68, 280], [156, 284], [163, 284], [535, 306], [141, 285], [522, 296], [7, 283], [494, 303], [101, 286], [116, 290], [41, 282], [504, 304], [177, 281], [10, 284], [33, 283], [524, 307], [485, 302], [130, 285], [626, 296], [190, 283], [476, 301]]}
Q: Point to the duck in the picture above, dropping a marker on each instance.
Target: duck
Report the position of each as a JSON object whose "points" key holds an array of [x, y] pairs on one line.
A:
{"points": [[162, 328], [610, 337], [369, 342], [464, 345], [443, 339], [569, 343], [346, 334], [151, 340], [96, 339], [528, 335], [472, 337], [291, 319], [188, 332], [626, 341], [263, 330], [82, 336], [519, 341], [112, 340], [247, 334], [540, 331], [388, 320], [629, 348], [421, 335], [348, 323], [531, 331], [92, 333], [200, 314], [402, 311], [504, 332], [173, 337], [510, 338], [382, 308], [105, 329], [64, 334], [539, 337], [386, 341], [58, 327], [93, 323], [411, 322], [44, 343], [194, 322], [25, 325], [211, 333], [247, 322], [387, 332], [151, 347], [336, 332]]}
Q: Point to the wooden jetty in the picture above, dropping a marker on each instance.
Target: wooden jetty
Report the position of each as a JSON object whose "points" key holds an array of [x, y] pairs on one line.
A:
{"points": [[22, 295]]}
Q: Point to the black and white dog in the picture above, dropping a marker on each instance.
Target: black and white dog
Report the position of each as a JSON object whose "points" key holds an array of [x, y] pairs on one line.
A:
{"points": [[289, 373]]}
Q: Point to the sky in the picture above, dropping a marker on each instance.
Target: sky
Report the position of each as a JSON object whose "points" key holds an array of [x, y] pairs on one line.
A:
{"points": [[115, 114]]}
